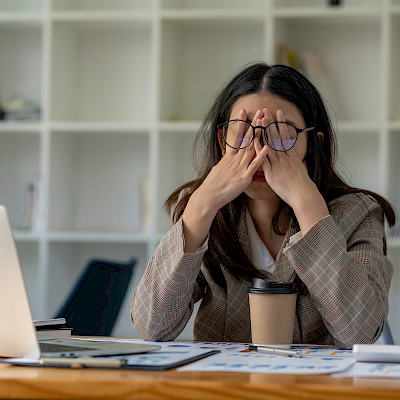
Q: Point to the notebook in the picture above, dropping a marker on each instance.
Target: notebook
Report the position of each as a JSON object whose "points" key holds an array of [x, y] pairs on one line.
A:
{"points": [[17, 331]]}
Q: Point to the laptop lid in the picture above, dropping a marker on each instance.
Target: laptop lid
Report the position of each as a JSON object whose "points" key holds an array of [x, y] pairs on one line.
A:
{"points": [[17, 332]]}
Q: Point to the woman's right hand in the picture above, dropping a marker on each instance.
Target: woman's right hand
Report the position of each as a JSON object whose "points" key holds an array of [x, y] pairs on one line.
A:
{"points": [[227, 180], [233, 173]]}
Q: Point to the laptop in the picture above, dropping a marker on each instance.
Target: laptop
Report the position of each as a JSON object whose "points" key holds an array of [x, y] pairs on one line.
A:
{"points": [[17, 331]]}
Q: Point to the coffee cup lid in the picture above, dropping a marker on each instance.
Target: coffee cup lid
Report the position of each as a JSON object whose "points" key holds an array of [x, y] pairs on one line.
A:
{"points": [[260, 286]]}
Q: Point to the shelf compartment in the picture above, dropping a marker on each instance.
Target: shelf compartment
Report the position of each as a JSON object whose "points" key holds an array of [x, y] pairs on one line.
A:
{"points": [[341, 84], [95, 181], [20, 177], [101, 5], [394, 88], [28, 255], [187, 91], [100, 71], [353, 150], [175, 168], [21, 65]]}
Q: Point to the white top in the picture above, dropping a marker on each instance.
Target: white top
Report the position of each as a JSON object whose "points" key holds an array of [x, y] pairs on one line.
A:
{"points": [[262, 258]]}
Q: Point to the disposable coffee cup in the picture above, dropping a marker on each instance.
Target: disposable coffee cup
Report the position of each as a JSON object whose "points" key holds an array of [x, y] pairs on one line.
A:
{"points": [[272, 312]]}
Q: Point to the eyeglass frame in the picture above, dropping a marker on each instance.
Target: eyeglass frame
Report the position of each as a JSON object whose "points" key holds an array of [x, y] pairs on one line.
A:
{"points": [[298, 130]]}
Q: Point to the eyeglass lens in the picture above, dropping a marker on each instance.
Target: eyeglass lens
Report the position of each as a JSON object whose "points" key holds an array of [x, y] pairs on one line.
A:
{"points": [[280, 136], [238, 134]]}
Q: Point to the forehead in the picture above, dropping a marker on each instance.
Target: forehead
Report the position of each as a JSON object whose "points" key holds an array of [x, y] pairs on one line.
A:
{"points": [[258, 101]]}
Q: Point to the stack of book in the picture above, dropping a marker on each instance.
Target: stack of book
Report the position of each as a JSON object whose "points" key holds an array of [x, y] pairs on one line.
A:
{"points": [[54, 327]]}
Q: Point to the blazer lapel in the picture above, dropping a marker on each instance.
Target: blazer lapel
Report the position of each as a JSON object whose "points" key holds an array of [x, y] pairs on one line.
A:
{"points": [[284, 271]]}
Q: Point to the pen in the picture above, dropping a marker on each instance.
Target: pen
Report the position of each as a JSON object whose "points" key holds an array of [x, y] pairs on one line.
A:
{"points": [[81, 362], [277, 351]]}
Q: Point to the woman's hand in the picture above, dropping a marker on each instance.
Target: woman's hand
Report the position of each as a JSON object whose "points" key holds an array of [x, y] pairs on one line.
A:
{"points": [[226, 181], [234, 172], [286, 173]]}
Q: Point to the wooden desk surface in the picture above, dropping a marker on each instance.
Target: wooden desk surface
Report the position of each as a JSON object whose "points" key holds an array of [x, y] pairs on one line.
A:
{"points": [[57, 383]]}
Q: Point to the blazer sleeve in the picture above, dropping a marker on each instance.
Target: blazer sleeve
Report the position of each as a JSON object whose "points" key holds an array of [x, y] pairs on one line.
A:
{"points": [[163, 302], [342, 262]]}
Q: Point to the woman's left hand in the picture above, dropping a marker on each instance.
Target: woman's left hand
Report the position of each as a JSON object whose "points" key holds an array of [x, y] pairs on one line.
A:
{"points": [[286, 173]]}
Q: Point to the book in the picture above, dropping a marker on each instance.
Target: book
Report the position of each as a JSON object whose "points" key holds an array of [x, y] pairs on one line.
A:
{"points": [[63, 332], [53, 327], [53, 322]]}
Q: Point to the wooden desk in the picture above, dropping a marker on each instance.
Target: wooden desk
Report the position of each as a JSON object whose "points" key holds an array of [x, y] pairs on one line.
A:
{"points": [[55, 383]]}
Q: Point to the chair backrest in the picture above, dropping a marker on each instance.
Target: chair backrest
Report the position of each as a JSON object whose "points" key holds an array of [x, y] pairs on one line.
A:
{"points": [[93, 305]]}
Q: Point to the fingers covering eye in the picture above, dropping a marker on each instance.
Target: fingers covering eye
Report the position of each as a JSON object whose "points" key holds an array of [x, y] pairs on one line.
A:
{"points": [[281, 136]]}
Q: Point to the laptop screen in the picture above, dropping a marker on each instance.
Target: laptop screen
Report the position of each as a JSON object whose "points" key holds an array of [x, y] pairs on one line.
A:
{"points": [[17, 332]]}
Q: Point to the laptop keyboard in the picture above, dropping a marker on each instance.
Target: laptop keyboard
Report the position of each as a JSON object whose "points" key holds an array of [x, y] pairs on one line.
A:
{"points": [[58, 348]]}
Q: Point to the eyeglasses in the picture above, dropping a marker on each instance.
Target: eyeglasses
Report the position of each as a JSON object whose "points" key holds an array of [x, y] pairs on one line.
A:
{"points": [[279, 136]]}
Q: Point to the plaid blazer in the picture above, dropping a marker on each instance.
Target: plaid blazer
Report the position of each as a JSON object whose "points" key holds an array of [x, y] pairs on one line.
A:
{"points": [[338, 266]]}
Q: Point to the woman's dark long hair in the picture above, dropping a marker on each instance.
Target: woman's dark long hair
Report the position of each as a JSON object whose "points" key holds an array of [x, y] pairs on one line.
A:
{"points": [[292, 86]]}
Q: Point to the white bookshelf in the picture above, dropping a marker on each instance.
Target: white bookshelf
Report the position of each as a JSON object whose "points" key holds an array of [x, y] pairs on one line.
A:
{"points": [[123, 87]]}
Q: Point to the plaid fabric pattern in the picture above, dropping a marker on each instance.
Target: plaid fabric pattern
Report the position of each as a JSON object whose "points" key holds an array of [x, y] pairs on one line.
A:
{"points": [[338, 266]]}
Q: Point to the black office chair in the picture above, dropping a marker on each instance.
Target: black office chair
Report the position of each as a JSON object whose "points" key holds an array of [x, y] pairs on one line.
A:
{"points": [[93, 305]]}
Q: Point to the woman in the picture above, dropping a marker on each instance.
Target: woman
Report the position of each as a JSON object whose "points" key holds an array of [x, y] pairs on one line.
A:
{"points": [[269, 203]]}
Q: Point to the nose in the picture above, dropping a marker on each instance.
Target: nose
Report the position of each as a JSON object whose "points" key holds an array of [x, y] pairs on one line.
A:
{"points": [[262, 138]]}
